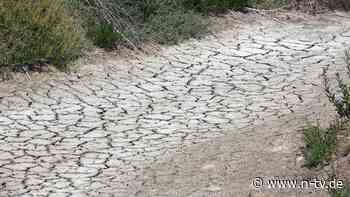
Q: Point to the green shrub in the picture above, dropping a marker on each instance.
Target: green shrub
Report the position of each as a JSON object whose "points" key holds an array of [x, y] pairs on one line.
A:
{"points": [[172, 27], [99, 31], [104, 36], [320, 144], [38, 29]]}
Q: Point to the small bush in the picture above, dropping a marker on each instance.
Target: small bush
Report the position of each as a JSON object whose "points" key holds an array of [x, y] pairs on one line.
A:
{"points": [[104, 36], [38, 29], [320, 144], [168, 21], [172, 27]]}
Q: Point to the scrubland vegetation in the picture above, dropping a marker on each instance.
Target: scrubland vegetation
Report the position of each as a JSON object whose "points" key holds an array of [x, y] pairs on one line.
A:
{"points": [[38, 29], [60, 30]]}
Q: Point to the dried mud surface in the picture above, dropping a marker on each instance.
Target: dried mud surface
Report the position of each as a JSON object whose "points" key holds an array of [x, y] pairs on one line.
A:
{"points": [[199, 119]]}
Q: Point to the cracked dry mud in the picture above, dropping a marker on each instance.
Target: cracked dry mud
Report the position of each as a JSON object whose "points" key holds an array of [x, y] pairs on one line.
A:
{"points": [[199, 119]]}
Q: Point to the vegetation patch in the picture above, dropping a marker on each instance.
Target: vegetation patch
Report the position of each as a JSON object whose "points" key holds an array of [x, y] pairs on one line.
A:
{"points": [[177, 26], [104, 36], [160, 21], [58, 30], [320, 144], [38, 29]]}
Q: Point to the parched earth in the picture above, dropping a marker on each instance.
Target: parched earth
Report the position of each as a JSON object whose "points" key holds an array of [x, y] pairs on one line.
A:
{"points": [[202, 118]]}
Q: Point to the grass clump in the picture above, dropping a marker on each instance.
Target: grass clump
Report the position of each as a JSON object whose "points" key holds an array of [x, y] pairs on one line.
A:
{"points": [[177, 26], [104, 36], [169, 21], [38, 29], [320, 145]]}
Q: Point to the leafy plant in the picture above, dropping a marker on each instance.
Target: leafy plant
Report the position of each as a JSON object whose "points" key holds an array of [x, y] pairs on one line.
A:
{"points": [[320, 144], [38, 29], [170, 28], [104, 36]]}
